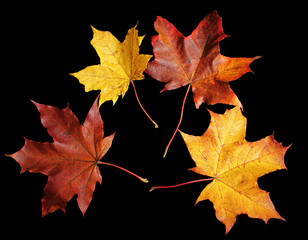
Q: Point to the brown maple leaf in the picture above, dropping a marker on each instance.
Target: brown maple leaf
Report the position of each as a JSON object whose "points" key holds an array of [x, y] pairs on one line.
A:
{"points": [[71, 160]]}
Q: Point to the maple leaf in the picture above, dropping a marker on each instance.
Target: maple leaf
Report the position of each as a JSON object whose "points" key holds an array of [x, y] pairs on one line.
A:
{"points": [[196, 60], [120, 64], [235, 165], [71, 161]]}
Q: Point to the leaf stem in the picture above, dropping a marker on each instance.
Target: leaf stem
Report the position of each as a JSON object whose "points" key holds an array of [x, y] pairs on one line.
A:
{"points": [[155, 124], [181, 117], [181, 184], [116, 166]]}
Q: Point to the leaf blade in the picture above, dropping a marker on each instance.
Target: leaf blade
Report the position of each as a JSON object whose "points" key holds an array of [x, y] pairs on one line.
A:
{"points": [[196, 60], [70, 162], [235, 164], [120, 63]]}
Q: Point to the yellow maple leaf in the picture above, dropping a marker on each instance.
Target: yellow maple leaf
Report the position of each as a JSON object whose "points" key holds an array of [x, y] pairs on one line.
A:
{"points": [[235, 166], [120, 64]]}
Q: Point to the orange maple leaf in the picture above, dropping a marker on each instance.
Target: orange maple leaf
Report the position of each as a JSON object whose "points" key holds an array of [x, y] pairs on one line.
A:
{"points": [[235, 166]]}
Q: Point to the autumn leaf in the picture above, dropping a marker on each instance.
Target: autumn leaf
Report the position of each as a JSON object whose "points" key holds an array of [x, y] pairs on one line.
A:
{"points": [[120, 64], [71, 161], [235, 165], [196, 61]]}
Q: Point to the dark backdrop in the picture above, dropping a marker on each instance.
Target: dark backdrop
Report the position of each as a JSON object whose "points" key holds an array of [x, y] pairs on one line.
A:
{"points": [[42, 44]]}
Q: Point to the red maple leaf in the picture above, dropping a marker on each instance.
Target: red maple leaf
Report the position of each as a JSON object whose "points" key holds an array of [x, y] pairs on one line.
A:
{"points": [[71, 161], [196, 61]]}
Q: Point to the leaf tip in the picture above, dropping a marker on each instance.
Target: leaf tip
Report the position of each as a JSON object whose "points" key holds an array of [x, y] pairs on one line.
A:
{"points": [[93, 28], [38, 105], [158, 18], [34, 102], [257, 57], [73, 74], [136, 24]]}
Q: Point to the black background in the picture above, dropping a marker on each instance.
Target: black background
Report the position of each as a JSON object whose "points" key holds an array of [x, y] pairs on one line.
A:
{"points": [[42, 44]]}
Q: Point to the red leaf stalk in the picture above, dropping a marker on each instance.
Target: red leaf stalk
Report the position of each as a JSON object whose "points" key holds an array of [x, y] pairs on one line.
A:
{"points": [[181, 117], [156, 126], [181, 184], [116, 166]]}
